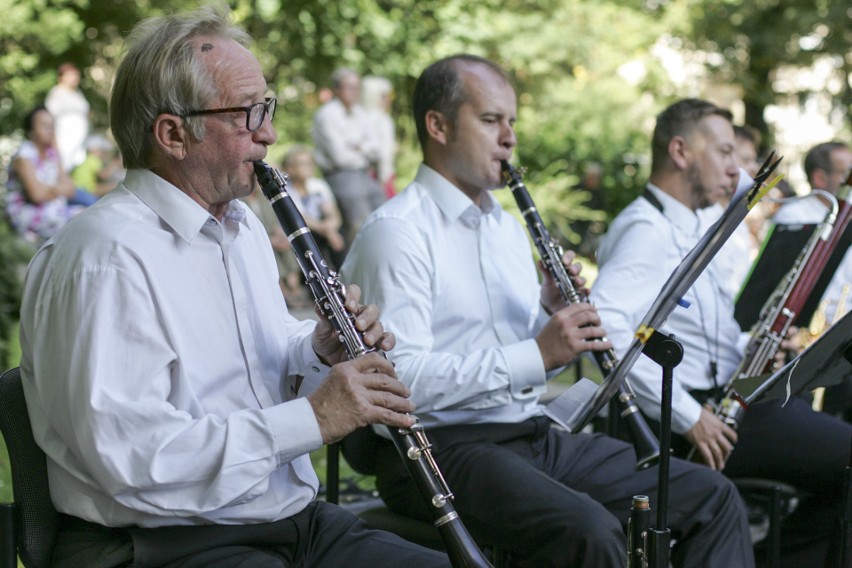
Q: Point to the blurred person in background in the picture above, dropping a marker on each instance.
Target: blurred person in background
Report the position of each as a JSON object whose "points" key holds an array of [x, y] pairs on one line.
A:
{"points": [[289, 273], [101, 170], [827, 166], [345, 148], [41, 196], [734, 259], [316, 202], [376, 98], [70, 109]]}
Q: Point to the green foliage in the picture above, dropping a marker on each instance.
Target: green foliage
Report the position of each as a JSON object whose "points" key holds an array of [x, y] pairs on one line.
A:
{"points": [[755, 39], [568, 59]]}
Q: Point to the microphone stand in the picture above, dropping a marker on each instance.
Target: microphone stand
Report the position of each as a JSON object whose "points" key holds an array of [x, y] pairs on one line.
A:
{"points": [[667, 352]]}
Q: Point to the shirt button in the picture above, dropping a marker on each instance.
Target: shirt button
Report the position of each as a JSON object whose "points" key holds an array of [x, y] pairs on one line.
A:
{"points": [[315, 369]]}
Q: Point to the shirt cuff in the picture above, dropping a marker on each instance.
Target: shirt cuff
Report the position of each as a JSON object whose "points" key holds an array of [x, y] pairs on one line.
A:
{"points": [[527, 376], [294, 428], [309, 363]]}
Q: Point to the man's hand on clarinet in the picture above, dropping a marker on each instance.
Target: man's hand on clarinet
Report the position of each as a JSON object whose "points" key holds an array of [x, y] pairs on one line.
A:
{"points": [[551, 297], [326, 342], [360, 392], [570, 331], [713, 439]]}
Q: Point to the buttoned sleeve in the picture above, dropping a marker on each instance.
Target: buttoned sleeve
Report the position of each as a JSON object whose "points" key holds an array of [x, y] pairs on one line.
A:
{"points": [[148, 444], [395, 265], [162, 369], [633, 266]]}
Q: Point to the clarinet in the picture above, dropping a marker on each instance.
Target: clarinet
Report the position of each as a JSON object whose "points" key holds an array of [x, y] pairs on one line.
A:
{"points": [[638, 530], [644, 441], [784, 304], [411, 443]]}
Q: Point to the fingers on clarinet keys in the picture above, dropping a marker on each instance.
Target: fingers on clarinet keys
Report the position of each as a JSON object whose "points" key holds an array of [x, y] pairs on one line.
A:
{"points": [[353, 395]]}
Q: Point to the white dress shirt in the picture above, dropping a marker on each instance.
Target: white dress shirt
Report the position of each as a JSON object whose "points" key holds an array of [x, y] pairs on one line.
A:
{"points": [[457, 286], [343, 139], [637, 255], [837, 298], [157, 356], [734, 259]]}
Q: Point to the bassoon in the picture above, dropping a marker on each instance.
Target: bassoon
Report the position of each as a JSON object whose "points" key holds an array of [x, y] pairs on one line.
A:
{"points": [[645, 443], [411, 443], [786, 302]]}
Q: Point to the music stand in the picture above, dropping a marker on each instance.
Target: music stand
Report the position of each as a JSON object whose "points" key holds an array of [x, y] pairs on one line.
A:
{"points": [[825, 362], [575, 408]]}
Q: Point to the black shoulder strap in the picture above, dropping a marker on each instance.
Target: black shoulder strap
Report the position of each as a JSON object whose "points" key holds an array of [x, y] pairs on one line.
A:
{"points": [[652, 199]]}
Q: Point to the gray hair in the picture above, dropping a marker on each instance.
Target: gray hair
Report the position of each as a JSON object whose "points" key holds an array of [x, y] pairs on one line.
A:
{"points": [[340, 74], [161, 74]]}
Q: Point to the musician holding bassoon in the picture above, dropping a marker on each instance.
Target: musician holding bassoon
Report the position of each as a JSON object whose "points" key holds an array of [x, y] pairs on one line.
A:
{"points": [[478, 336], [827, 167], [693, 164], [175, 396]]}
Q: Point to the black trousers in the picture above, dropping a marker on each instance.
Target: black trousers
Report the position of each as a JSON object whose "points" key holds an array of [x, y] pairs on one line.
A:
{"points": [[796, 445], [555, 499], [321, 536]]}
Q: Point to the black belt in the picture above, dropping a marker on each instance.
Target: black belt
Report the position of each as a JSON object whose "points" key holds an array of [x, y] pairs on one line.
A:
{"points": [[702, 396]]}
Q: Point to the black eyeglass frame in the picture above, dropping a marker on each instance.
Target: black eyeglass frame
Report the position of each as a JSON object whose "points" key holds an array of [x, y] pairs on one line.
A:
{"points": [[269, 105]]}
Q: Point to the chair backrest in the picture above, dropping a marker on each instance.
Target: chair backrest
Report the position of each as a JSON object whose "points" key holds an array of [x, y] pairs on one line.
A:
{"points": [[37, 519]]}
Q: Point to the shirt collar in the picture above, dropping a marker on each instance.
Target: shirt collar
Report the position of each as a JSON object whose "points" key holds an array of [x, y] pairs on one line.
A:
{"points": [[179, 211], [452, 201], [679, 214]]}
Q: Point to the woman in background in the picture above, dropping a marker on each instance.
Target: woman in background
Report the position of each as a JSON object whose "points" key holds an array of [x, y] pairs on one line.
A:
{"points": [[41, 196]]}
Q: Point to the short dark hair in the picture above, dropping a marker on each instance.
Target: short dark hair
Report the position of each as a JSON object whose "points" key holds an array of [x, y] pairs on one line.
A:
{"points": [[680, 119], [747, 133], [29, 119], [819, 157], [440, 88]]}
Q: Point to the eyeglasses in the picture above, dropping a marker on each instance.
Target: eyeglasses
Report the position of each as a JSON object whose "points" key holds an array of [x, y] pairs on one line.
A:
{"points": [[254, 113]]}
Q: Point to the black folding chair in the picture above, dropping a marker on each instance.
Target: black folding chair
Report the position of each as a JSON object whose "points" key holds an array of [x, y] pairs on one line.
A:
{"points": [[28, 527]]}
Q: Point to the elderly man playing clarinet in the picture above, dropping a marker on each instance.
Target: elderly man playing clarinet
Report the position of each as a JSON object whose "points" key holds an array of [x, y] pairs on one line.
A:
{"points": [[174, 395]]}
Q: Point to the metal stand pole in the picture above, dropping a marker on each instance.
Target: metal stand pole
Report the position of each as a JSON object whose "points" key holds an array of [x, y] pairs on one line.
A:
{"points": [[668, 353]]}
